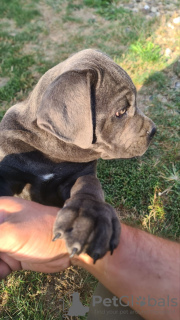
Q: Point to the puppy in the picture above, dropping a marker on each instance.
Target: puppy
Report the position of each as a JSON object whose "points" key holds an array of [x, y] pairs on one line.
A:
{"points": [[81, 110]]}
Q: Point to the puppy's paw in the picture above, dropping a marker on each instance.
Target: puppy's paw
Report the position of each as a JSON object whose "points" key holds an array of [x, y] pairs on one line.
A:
{"points": [[88, 225]]}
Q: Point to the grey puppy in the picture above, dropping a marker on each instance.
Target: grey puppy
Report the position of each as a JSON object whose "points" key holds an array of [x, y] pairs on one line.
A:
{"points": [[81, 110]]}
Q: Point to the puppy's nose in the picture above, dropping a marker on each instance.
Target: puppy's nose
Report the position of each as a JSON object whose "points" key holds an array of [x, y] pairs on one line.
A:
{"points": [[152, 133]]}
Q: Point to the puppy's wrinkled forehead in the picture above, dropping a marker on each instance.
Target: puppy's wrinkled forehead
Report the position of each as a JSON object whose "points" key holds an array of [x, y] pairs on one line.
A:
{"points": [[113, 86], [106, 68]]}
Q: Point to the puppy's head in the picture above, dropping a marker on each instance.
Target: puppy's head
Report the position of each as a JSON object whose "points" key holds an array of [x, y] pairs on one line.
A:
{"points": [[92, 105]]}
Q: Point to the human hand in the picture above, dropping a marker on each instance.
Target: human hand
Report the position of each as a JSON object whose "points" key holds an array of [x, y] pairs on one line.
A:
{"points": [[26, 232]]}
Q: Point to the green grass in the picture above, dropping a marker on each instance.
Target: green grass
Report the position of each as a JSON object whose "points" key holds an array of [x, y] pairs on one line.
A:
{"points": [[14, 63], [27, 285], [107, 9], [148, 51], [157, 78], [145, 191], [22, 12], [129, 182], [29, 295]]}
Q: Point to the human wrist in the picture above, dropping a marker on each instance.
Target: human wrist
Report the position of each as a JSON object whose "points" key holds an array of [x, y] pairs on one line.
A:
{"points": [[143, 266]]}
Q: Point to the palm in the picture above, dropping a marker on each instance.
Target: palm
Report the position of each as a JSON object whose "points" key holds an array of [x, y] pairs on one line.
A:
{"points": [[26, 237]]}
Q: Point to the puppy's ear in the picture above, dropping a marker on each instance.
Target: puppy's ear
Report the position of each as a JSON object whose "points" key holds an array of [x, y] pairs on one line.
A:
{"points": [[66, 110]]}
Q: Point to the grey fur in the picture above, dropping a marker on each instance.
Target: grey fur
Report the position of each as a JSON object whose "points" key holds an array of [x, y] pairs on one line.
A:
{"points": [[81, 110]]}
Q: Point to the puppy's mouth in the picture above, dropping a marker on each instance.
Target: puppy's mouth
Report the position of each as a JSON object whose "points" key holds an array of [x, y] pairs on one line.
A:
{"points": [[135, 149], [134, 145]]}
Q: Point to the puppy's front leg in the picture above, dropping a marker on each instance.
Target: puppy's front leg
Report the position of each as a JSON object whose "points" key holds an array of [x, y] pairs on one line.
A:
{"points": [[86, 222]]}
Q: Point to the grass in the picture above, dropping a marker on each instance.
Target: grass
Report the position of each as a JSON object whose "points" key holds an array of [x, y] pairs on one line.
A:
{"points": [[19, 11], [31, 295], [145, 191], [148, 51]]}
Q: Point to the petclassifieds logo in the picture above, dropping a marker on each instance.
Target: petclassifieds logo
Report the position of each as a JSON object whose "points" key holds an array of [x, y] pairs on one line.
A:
{"points": [[141, 301], [117, 306], [76, 309]]}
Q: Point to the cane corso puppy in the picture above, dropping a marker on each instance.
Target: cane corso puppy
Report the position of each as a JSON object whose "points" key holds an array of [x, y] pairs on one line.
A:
{"points": [[81, 110]]}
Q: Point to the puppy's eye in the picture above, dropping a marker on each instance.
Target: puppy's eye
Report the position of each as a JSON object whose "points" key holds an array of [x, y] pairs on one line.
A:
{"points": [[121, 112]]}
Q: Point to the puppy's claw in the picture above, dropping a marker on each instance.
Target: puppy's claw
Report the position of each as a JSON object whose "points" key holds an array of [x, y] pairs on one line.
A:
{"points": [[112, 247], [57, 236], [74, 251], [96, 257]]}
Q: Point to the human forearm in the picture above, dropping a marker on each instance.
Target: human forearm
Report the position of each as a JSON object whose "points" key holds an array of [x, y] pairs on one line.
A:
{"points": [[142, 266]]}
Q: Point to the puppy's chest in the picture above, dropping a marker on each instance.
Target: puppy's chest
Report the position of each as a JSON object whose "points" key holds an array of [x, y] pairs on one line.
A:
{"points": [[51, 187], [46, 188], [34, 176], [48, 185]]}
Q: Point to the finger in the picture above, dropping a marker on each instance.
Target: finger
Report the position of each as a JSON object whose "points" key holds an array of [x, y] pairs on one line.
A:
{"points": [[2, 216], [56, 265], [7, 265], [5, 270], [81, 260], [13, 264]]}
